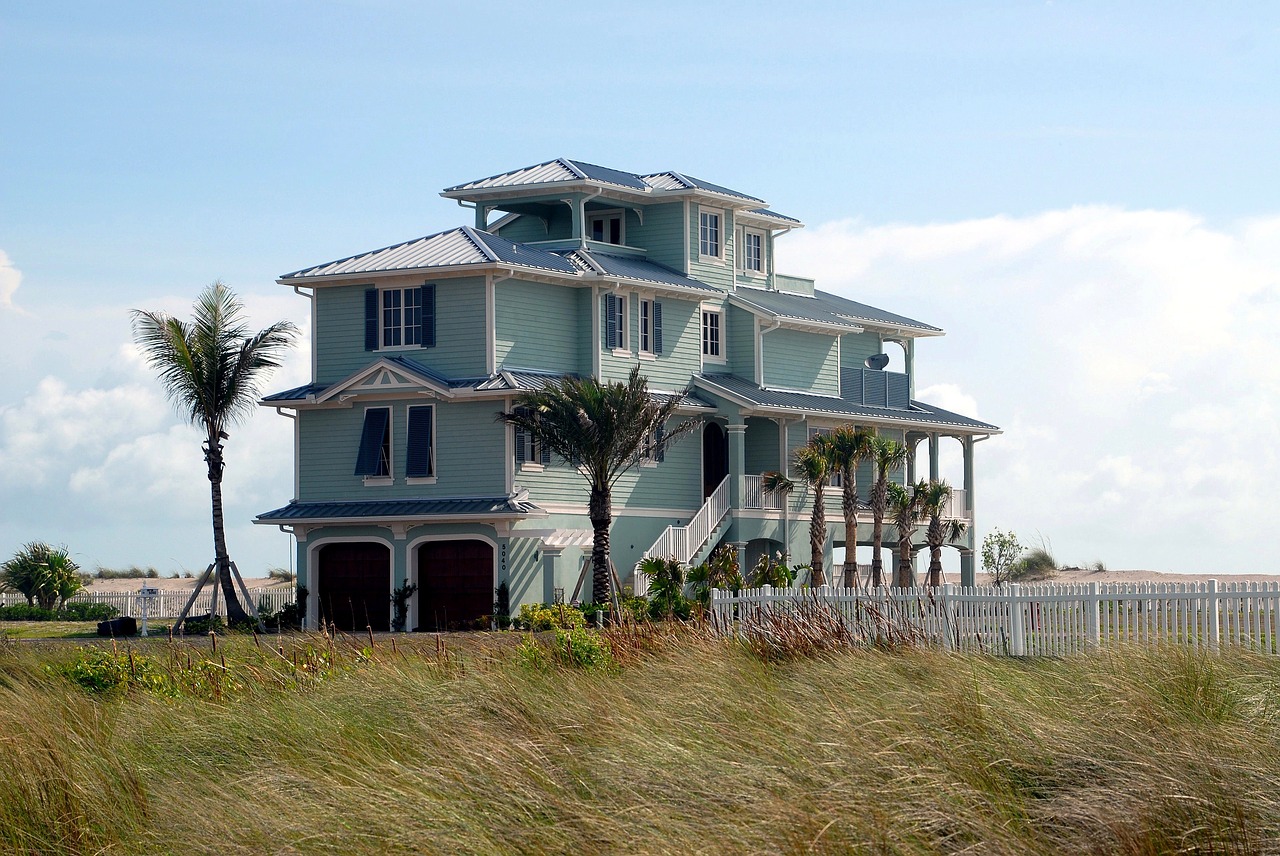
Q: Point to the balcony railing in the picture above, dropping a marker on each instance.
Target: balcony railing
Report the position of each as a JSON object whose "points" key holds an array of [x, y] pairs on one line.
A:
{"points": [[958, 505], [875, 387], [757, 497]]}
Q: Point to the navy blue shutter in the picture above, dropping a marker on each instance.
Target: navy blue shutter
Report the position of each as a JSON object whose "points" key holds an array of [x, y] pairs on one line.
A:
{"points": [[371, 319], [660, 450], [418, 458], [522, 439], [657, 327], [375, 429], [611, 321], [428, 304], [544, 455]]}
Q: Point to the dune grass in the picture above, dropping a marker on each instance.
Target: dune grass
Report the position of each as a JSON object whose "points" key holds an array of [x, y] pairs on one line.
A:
{"points": [[48, 629], [688, 745]]}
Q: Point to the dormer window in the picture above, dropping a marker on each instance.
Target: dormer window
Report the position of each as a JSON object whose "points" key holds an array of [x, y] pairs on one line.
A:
{"points": [[607, 227], [751, 254], [709, 243]]}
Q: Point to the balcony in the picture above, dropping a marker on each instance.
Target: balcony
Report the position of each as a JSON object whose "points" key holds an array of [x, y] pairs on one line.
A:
{"points": [[875, 388], [755, 496], [957, 505]]}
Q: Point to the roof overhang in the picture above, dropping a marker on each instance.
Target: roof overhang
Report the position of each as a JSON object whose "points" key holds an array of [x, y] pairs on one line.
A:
{"points": [[808, 324]]}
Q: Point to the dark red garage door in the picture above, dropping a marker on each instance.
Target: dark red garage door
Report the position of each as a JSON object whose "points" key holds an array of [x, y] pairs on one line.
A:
{"points": [[355, 586], [456, 584]]}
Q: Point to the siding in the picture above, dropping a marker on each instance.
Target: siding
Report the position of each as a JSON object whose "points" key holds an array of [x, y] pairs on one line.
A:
{"points": [[740, 342], [681, 345], [659, 235], [460, 334], [856, 347], [537, 326], [795, 359], [528, 228], [330, 439], [762, 450], [718, 274]]}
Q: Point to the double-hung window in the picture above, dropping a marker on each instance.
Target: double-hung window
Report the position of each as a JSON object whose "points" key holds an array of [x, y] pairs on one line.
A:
{"points": [[650, 327], [373, 460], [615, 321], [652, 450], [711, 338], [709, 243], [607, 227], [751, 255], [400, 317], [527, 449]]}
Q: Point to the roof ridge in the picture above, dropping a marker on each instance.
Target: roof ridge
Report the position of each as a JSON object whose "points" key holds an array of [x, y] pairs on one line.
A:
{"points": [[573, 168], [479, 242]]}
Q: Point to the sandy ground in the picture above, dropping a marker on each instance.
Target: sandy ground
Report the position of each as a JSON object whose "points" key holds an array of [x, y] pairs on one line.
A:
{"points": [[170, 584], [1084, 575]]}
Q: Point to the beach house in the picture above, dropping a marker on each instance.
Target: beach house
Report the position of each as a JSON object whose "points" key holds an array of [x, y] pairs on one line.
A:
{"points": [[403, 474]]}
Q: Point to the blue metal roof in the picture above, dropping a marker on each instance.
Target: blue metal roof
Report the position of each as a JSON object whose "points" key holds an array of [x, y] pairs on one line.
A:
{"points": [[716, 188], [402, 509], [799, 402], [298, 393], [765, 212], [797, 307], [626, 267], [863, 312], [611, 176]]}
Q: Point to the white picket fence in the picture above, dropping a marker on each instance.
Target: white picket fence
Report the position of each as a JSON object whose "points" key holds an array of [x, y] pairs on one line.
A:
{"points": [[168, 603], [1024, 620]]}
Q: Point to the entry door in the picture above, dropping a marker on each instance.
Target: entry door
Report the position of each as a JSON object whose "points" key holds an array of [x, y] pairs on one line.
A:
{"points": [[455, 584], [355, 586], [715, 458]]}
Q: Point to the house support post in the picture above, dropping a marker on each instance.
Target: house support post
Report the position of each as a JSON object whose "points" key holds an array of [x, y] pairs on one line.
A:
{"points": [[966, 568], [737, 463], [968, 479], [550, 558], [933, 457]]}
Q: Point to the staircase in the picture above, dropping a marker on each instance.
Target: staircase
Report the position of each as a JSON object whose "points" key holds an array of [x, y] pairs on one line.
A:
{"points": [[687, 543]]}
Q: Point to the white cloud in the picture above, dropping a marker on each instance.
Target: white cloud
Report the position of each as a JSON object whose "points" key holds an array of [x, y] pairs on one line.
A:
{"points": [[10, 279], [1129, 356]]}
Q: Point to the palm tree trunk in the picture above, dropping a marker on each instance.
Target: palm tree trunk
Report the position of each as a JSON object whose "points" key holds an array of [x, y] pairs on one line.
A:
{"points": [[600, 511], [904, 561], [235, 612], [877, 535], [849, 505], [935, 565], [817, 537]]}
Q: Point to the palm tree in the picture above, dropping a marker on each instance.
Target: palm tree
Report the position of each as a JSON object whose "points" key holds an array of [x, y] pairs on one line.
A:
{"points": [[940, 531], [776, 482], [601, 429], [849, 446], [887, 455], [813, 462], [905, 509], [211, 369]]}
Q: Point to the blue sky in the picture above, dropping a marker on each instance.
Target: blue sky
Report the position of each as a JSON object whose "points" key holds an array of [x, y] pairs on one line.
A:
{"points": [[1060, 185]]}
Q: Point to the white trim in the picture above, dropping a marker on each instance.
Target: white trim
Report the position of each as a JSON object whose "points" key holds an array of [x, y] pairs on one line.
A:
{"points": [[411, 566], [490, 324], [596, 333], [719, 214], [390, 477], [421, 480], [688, 238], [641, 351], [402, 327], [313, 570], [722, 357], [509, 468], [607, 214], [347, 384]]}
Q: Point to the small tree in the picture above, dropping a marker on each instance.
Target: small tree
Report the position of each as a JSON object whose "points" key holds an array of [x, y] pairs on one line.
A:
{"points": [[813, 463], [721, 571], [849, 446], [46, 576], [905, 506], [1000, 551], [887, 455], [935, 502], [666, 587]]}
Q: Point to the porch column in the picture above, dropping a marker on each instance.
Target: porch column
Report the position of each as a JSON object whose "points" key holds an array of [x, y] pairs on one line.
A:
{"points": [[966, 568], [737, 463], [909, 346], [550, 558], [968, 476], [912, 441], [482, 216], [933, 456]]}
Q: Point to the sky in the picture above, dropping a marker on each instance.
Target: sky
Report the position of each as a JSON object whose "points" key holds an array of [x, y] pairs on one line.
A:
{"points": [[1084, 195]]}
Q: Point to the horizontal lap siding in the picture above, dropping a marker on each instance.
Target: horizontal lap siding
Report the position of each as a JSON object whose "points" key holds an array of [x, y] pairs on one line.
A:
{"points": [[718, 273], [460, 329], [856, 347], [527, 228], [681, 345], [331, 438], [795, 359], [537, 326], [762, 450], [659, 235], [740, 342]]}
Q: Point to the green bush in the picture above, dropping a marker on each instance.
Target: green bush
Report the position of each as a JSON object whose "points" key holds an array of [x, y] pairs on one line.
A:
{"points": [[69, 612], [1037, 564], [576, 647], [133, 572], [25, 612], [549, 616], [45, 575]]}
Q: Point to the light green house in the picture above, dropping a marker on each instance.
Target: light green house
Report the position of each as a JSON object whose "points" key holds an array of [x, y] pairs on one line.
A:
{"points": [[402, 472]]}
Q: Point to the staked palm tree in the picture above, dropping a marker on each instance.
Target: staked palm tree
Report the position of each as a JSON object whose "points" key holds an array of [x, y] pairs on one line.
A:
{"points": [[940, 531], [849, 446], [601, 429], [211, 369], [887, 455], [905, 509], [813, 463]]}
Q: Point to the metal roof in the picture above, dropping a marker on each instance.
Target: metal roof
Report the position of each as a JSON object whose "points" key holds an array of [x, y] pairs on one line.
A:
{"points": [[774, 215], [800, 402], [625, 267], [480, 507], [863, 312], [298, 393], [461, 246], [716, 188], [797, 307]]}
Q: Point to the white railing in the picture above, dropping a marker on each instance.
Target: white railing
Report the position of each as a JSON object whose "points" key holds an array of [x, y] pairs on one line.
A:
{"points": [[169, 602], [684, 542], [957, 505], [1028, 620], [755, 496]]}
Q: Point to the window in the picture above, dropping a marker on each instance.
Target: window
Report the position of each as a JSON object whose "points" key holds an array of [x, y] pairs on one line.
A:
{"points": [[606, 227], [420, 454], [373, 461], [711, 334], [835, 479], [652, 451], [709, 234], [751, 257], [615, 321], [400, 317], [527, 449], [650, 327]]}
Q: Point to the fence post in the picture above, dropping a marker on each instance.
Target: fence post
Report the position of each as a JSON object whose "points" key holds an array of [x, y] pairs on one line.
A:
{"points": [[1215, 615], [1017, 630], [1091, 615], [944, 607]]}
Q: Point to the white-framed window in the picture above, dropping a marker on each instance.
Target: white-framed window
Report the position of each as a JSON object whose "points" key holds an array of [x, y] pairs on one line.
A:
{"points": [[646, 326], [607, 227], [373, 458], [616, 328], [420, 445], [401, 316], [709, 236], [529, 453], [651, 452], [712, 348], [751, 252]]}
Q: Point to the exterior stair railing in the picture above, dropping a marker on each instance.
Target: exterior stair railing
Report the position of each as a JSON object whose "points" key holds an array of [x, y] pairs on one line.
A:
{"points": [[683, 542]]}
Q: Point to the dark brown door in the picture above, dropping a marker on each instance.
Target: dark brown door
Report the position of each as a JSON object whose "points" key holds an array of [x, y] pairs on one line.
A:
{"points": [[715, 458], [455, 580], [355, 586]]}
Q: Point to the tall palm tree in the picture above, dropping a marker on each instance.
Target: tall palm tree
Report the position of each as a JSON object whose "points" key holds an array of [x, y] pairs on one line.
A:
{"points": [[601, 429], [813, 463], [887, 455], [940, 531], [849, 446], [905, 509], [211, 369]]}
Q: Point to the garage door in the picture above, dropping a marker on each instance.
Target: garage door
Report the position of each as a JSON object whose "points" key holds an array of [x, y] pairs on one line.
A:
{"points": [[355, 586], [455, 580]]}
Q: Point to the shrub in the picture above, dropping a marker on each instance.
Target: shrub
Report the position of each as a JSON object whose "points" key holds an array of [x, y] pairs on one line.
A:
{"points": [[45, 575], [26, 612], [544, 616], [502, 606], [772, 571], [203, 624], [666, 587], [133, 572], [720, 571], [1037, 564], [577, 647], [400, 605], [80, 611], [1000, 551], [283, 575]]}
